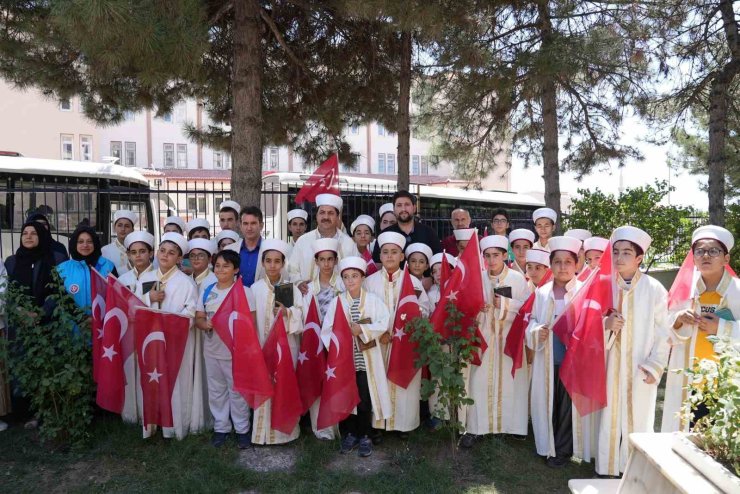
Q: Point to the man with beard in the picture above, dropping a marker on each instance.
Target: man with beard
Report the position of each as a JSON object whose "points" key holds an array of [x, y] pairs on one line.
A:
{"points": [[404, 207]]}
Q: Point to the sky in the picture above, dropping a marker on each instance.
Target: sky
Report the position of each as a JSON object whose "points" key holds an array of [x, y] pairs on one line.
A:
{"points": [[635, 173]]}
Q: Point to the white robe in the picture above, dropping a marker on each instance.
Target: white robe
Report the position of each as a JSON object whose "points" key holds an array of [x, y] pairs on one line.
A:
{"points": [[683, 343], [264, 295], [201, 415], [301, 266], [405, 402], [181, 297], [643, 341], [500, 401], [116, 253]]}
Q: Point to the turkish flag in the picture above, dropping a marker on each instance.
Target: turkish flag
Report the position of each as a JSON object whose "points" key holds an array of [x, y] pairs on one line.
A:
{"points": [[584, 274], [234, 324], [117, 344], [311, 359], [465, 289], [160, 345], [514, 346], [325, 180], [444, 272], [339, 395], [286, 402], [580, 328], [685, 281], [404, 352], [99, 289]]}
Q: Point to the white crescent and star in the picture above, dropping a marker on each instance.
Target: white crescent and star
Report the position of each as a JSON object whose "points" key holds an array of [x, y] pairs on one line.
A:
{"points": [[399, 333], [335, 340], [117, 313], [98, 303], [153, 336], [302, 357], [109, 352], [330, 373], [154, 375], [232, 317], [317, 329]]}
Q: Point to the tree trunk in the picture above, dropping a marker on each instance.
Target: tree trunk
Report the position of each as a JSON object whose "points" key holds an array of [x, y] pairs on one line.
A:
{"points": [[246, 120], [404, 101]]}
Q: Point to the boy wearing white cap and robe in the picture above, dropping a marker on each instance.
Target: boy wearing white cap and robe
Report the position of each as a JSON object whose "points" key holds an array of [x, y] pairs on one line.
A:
{"points": [[711, 309], [521, 240], [228, 216], [175, 224], [362, 230], [637, 350], [537, 267], [462, 237], [226, 238], [297, 225], [386, 217], [386, 284], [435, 263], [545, 220], [199, 228], [581, 235], [593, 250], [174, 291], [116, 252], [201, 251], [500, 402]]}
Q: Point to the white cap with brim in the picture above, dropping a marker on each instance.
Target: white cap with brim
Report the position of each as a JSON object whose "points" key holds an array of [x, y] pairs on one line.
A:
{"points": [[325, 244], [464, 233], [385, 208], [202, 244], [578, 233], [539, 257], [125, 214], [545, 213], [595, 243], [437, 258], [231, 205], [140, 236], [274, 244], [353, 262], [176, 239], [329, 200], [712, 232], [391, 238], [297, 213], [198, 223], [632, 234], [227, 234], [497, 241], [521, 234], [363, 219], [421, 248], [176, 220], [569, 244]]}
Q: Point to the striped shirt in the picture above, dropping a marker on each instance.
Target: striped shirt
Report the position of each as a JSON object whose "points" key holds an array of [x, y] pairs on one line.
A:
{"points": [[354, 314]]}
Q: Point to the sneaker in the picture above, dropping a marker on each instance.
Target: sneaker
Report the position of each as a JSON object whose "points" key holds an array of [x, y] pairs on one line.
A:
{"points": [[349, 443], [219, 439], [366, 447], [557, 461], [244, 441], [467, 441]]}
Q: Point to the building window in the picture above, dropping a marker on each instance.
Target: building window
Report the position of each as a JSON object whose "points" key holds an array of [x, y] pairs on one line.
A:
{"points": [[182, 155], [381, 130], [130, 154], [181, 113], [218, 159], [354, 130], [128, 116], [274, 159], [167, 117], [116, 150], [169, 155], [425, 165], [65, 104], [390, 163], [67, 150], [227, 161], [415, 167], [197, 204], [86, 146], [381, 163]]}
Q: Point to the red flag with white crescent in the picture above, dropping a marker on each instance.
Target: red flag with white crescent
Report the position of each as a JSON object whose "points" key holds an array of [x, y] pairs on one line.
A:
{"points": [[325, 180], [403, 352], [311, 358], [286, 407], [98, 292], [160, 340]]}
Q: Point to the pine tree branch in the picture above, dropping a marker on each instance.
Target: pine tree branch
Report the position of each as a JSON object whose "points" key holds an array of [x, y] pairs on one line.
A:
{"points": [[222, 11], [279, 37]]}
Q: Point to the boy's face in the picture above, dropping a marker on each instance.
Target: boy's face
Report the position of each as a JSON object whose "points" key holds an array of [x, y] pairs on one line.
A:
{"points": [[494, 259], [710, 257], [391, 256], [520, 248], [593, 257], [625, 257], [535, 272], [563, 266], [544, 227]]}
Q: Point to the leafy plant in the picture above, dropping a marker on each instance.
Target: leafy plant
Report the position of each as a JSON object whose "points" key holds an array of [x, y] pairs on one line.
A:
{"points": [[717, 386], [51, 362]]}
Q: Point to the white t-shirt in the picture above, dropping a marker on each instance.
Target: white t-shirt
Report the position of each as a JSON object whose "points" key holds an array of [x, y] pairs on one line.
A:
{"points": [[213, 345]]}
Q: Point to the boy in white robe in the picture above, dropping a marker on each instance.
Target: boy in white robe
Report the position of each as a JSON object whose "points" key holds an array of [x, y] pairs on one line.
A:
{"points": [[521, 240], [116, 252], [545, 220]]}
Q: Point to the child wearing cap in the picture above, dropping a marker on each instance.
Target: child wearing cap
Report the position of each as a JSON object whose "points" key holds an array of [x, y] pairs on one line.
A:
{"points": [[593, 250], [297, 225], [419, 255], [201, 251], [537, 268], [123, 224], [362, 233], [227, 406], [226, 238], [369, 319], [462, 237], [544, 224], [708, 304], [386, 217], [175, 224], [228, 216], [521, 240], [199, 228], [637, 345], [434, 292]]}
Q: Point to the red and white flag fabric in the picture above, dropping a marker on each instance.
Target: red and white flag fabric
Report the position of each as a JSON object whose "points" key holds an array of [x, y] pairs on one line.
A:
{"points": [[683, 286], [514, 346], [235, 326], [339, 395], [584, 274], [311, 358], [580, 328], [98, 292], [286, 407], [465, 289], [116, 346], [325, 180], [444, 272], [403, 352], [160, 340]]}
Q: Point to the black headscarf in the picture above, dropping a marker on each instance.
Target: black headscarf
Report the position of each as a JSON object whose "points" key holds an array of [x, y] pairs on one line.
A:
{"points": [[38, 217], [92, 259], [36, 262]]}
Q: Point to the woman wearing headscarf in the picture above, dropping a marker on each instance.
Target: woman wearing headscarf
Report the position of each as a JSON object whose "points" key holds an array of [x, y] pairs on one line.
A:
{"points": [[60, 251]]}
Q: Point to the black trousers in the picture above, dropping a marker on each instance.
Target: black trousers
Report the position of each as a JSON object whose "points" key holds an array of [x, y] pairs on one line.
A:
{"points": [[359, 425], [562, 425]]}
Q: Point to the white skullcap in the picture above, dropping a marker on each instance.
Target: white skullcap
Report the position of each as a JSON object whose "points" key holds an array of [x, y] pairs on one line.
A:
{"points": [[353, 262], [569, 244], [578, 233], [230, 204], [521, 234], [176, 239], [297, 213], [227, 234], [419, 247], [595, 243], [363, 219], [713, 232], [202, 244], [385, 208], [464, 233], [329, 200], [392, 238], [539, 256], [634, 235], [545, 213], [498, 241], [325, 244], [140, 236], [176, 220], [275, 244], [199, 223], [437, 258], [125, 214]]}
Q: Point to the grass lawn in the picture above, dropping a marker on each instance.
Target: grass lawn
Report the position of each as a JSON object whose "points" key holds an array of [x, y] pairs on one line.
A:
{"points": [[119, 460]]}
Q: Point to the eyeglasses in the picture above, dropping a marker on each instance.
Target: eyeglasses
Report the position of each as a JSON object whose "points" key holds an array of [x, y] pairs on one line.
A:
{"points": [[198, 257], [713, 252], [500, 220]]}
